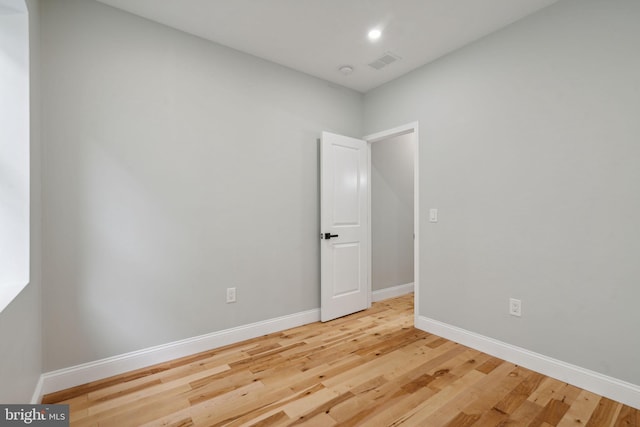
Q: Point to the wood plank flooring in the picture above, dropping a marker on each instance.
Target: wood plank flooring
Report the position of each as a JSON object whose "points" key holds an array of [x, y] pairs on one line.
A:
{"points": [[368, 369]]}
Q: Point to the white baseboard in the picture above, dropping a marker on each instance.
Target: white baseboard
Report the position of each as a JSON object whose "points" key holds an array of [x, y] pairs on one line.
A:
{"points": [[392, 292], [595, 382], [37, 393], [81, 374]]}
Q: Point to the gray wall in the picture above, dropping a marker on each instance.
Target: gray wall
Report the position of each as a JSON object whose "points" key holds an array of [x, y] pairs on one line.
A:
{"points": [[529, 148], [392, 163], [20, 322], [174, 168]]}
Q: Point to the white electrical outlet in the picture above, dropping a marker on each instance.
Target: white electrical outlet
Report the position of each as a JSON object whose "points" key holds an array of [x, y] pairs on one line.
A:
{"points": [[515, 307], [231, 295]]}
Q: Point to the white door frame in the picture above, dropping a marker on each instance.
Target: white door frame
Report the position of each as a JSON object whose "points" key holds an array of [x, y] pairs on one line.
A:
{"points": [[379, 136]]}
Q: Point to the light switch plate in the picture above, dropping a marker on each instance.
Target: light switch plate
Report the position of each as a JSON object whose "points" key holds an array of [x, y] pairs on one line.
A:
{"points": [[433, 215]]}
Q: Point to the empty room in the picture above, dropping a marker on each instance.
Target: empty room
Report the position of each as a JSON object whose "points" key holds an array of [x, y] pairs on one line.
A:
{"points": [[320, 212]]}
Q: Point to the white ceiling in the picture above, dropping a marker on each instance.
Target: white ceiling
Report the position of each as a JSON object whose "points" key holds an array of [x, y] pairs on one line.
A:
{"points": [[11, 7], [318, 36]]}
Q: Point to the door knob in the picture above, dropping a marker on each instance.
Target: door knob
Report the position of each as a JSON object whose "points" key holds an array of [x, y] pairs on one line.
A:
{"points": [[327, 236]]}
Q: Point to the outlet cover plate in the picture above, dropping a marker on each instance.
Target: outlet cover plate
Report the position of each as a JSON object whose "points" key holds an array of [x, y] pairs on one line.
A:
{"points": [[515, 307], [231, 295]]}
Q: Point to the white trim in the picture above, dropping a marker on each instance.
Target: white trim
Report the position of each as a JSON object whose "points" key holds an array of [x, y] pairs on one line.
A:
{"points": [[369, 248], [392, 292], [392, 133], [37, 393], [595, 382], [416, 221], [104, 368]]}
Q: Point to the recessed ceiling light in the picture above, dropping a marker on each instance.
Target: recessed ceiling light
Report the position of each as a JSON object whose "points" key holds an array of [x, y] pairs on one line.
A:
{"points": [[346, 69], [374, 34]]}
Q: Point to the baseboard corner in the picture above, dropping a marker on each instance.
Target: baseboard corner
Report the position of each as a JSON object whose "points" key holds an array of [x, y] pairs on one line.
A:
{"points": [[392, 292], [36, 398], [595, 382]]}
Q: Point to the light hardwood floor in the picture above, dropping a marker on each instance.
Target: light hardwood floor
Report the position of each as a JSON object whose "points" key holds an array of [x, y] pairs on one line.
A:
{"points": [[371, 369]]}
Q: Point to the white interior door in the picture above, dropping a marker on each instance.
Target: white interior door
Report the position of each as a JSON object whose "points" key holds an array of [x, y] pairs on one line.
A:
{"points": [[344, 221]]}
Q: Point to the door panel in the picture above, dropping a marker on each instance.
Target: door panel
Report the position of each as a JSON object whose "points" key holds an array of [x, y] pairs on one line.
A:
{"points": [[346, 262], [344, 220], [346, 200]]}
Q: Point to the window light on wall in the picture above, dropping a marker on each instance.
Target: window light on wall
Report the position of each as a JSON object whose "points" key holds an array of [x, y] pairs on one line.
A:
{"points": [[14, 149]]}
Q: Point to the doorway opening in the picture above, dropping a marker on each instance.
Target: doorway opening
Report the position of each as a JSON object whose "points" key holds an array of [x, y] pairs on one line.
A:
{"points": [[346, 229], [394, 212]]}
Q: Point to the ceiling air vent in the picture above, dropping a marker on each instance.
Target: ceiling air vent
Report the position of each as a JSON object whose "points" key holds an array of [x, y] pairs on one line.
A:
{"points": [[384, 60]]}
